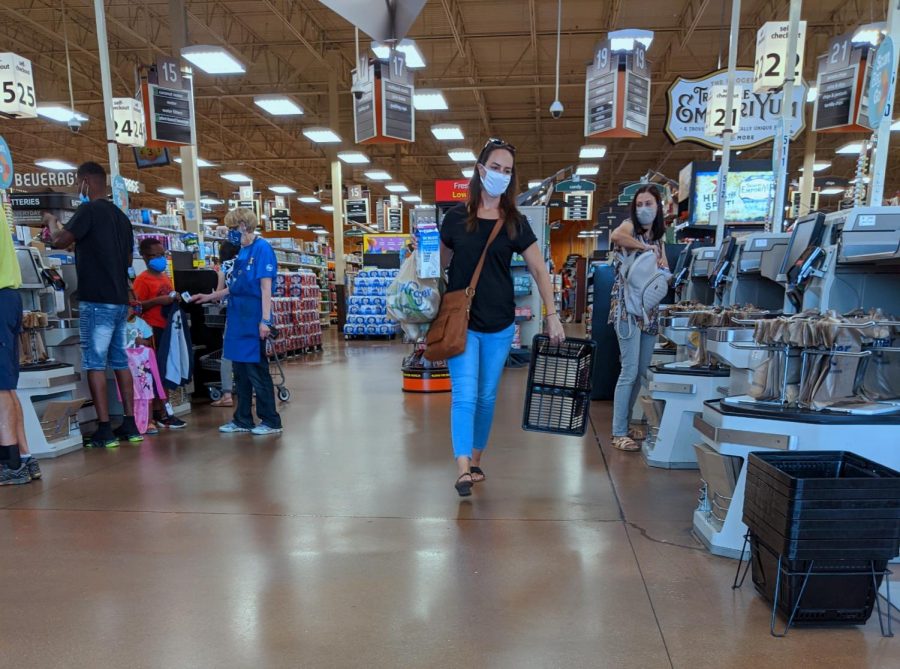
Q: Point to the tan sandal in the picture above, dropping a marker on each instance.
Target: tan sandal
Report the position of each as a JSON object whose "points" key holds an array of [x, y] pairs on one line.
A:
{"points": [[626, 444], [222, 403], [636, 434]]}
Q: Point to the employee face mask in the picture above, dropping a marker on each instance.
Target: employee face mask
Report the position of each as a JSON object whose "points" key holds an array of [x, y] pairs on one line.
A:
{"points": [[234, 236], [646, 216], [158, 264], [495, 183]]}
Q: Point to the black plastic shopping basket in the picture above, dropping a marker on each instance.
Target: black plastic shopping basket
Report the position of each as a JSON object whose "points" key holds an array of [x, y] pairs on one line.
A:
{"points": [[559, 386]]}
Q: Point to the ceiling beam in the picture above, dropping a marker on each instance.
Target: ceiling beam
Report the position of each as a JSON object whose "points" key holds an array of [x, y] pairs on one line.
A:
{"points": [[457, 28]]}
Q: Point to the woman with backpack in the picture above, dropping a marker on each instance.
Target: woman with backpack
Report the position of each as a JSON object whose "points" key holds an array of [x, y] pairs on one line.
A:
{"points": [[643, 232]]}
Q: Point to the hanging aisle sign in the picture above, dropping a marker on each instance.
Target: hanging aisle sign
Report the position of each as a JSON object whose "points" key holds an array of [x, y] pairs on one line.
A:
{"points": [[617, 93], [637, 91], [364, 101], [280, 220], [17, 97], [717, 110], [357, 211], [398, 114], [128, 118], [760, 112], [601, 90], [771, 53], [842, 99], [579, 206], [170, 115]]}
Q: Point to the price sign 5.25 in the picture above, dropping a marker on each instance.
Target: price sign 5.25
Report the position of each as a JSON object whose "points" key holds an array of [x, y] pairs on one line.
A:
{"points": [[17, 96]]}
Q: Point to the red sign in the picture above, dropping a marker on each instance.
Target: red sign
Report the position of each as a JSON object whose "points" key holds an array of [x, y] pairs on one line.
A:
{"points": [[451, 190]]}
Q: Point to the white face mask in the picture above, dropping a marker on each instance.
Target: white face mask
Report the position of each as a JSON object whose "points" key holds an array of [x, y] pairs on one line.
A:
{"points": [[646, 216], [495, 183]]}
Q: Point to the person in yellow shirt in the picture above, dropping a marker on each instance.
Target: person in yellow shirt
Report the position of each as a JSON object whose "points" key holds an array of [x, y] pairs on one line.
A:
{"points": [[16, 465]]}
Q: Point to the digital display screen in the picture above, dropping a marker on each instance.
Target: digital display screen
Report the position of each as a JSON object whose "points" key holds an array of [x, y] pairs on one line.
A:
{"points": [[748, 197], [807, 232]]}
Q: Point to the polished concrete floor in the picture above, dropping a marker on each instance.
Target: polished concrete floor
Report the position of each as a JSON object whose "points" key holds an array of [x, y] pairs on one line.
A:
{"points": [[343, 544]]}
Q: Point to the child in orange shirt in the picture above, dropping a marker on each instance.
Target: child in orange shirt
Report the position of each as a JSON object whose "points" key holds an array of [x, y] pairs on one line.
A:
{"points": [[154, 290]]}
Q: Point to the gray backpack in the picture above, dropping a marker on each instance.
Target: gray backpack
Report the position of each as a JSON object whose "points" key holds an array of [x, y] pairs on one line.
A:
{"points": [[645, 283]]}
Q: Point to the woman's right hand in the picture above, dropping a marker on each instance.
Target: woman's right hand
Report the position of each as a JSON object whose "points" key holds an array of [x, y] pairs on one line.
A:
{"points": [[202, 298], [414, 242]]}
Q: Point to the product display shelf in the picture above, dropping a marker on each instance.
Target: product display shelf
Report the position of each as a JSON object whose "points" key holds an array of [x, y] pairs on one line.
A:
{"points": [[529, 311], [367, 306], [296, 304]]}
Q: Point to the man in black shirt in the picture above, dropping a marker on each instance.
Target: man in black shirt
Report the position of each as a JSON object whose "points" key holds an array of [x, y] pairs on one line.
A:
{"points": [[104, 245]]}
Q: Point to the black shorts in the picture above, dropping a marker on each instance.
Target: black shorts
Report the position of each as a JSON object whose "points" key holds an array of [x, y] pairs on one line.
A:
{"points": [[10, 327]]}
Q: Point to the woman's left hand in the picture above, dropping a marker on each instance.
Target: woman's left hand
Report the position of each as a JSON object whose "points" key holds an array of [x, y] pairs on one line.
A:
{"points": [[555, 329], [264, 331]]}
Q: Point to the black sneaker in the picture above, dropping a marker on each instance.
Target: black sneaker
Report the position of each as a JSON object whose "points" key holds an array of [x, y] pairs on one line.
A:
{"points": [[173, 423], [18, 476], [34, 469], [102, 438]]}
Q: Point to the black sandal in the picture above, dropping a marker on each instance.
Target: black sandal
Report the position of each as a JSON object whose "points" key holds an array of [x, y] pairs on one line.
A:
{"points": [[477, 470], [464, 488]]}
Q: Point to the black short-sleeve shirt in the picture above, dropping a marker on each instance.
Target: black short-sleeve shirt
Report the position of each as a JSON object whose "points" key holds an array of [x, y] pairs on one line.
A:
{"points": [[494, 306], [104, 244]]}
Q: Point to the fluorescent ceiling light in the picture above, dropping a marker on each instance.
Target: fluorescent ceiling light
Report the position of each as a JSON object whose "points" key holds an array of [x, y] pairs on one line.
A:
{"points": [[213, 59], [410, 198], [53, 164], [327, 207], [624, 40], [308, 199], [378, 175], [592, 151], [282, 190], [832, 191], [278, 105], [429, 99], [534, 183], [870, 33], [302, 227], [60, 113], [447, 132], [851, 148], [895, 126], [322, 135], [236, 177], [819, 165], [586, 170], [414, 58], [211, 201], [170, 190], [462, 155], [397, 188], [353, 157], [201, 162], [812, 93], [468, 172]]}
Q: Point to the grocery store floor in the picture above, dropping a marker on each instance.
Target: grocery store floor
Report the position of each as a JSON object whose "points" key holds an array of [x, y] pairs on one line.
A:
{"points": [[343, 544]]}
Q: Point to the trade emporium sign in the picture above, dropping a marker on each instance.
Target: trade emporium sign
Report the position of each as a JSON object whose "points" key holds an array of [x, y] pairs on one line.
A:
{"points": [[760, 112]]}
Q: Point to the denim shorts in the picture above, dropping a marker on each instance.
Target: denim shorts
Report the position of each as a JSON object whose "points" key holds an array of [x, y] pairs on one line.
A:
{"points": [[103, 336], [10, 327]]}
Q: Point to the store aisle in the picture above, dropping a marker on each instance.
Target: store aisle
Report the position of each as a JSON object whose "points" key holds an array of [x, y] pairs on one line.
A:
{"points": [[343, 544]]}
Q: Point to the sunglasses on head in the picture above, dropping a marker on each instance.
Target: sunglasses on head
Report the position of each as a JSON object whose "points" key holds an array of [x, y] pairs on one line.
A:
{"points": [[494, 143]]}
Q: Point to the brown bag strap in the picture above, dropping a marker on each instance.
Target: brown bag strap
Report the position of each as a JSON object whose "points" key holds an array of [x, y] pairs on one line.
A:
{"points": [[480, 266]]}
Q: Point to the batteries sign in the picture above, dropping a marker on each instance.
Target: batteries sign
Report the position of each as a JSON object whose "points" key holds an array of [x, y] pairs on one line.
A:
{"points": [[17, 97], [128, 117], [770, 69], [171, 111]]}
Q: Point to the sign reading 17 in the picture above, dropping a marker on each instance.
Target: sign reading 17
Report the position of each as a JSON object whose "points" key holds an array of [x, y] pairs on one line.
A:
{"points": [[131, 128], [26, 93]]}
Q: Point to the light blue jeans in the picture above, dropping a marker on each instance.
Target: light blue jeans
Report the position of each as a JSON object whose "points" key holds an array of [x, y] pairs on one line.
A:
{"points": [[635, 351], [102, 329], [474, 377]]}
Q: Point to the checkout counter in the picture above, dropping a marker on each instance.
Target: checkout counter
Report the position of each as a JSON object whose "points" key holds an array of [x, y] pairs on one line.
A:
{"points": [[50, 389], [678, 390], [844, 261]]}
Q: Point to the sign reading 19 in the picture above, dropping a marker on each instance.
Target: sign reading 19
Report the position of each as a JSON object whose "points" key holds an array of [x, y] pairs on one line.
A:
{"points": [[26, 93]]}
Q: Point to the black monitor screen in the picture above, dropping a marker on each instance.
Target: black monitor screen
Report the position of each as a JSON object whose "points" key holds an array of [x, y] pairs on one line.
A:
{"points": [[807, 232], [726, 252]]}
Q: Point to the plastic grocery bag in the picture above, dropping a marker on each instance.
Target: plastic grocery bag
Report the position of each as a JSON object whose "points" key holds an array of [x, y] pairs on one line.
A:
{"points": [[412, 301]]}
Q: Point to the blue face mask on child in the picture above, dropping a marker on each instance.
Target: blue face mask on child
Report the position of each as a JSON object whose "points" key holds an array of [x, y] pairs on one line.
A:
{"points": [[158, 264], [234, 236]]}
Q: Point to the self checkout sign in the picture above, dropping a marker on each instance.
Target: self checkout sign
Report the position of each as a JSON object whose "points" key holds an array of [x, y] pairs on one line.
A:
{"points": [[717, 110], [17, 99], [771, 54], [128, 117]]}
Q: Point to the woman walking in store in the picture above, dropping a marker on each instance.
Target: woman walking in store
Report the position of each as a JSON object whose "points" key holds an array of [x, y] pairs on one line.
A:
{"points": [[248, 323], [466, 229], [643, 232]]}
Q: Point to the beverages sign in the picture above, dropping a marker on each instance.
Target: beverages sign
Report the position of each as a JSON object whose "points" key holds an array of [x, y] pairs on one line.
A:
{"points": [[688, 101]]}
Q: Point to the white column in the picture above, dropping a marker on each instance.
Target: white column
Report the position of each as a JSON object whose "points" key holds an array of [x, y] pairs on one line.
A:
{"points": [[784, 140], [729, 105], [106, 85]]}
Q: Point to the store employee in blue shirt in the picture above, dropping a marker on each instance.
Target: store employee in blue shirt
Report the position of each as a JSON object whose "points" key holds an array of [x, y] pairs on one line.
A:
{"points": [[248, 323]]}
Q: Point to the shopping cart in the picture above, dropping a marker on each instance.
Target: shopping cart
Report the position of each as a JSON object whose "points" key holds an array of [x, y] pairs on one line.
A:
{"points": [[559, 386], [214, 315]]}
